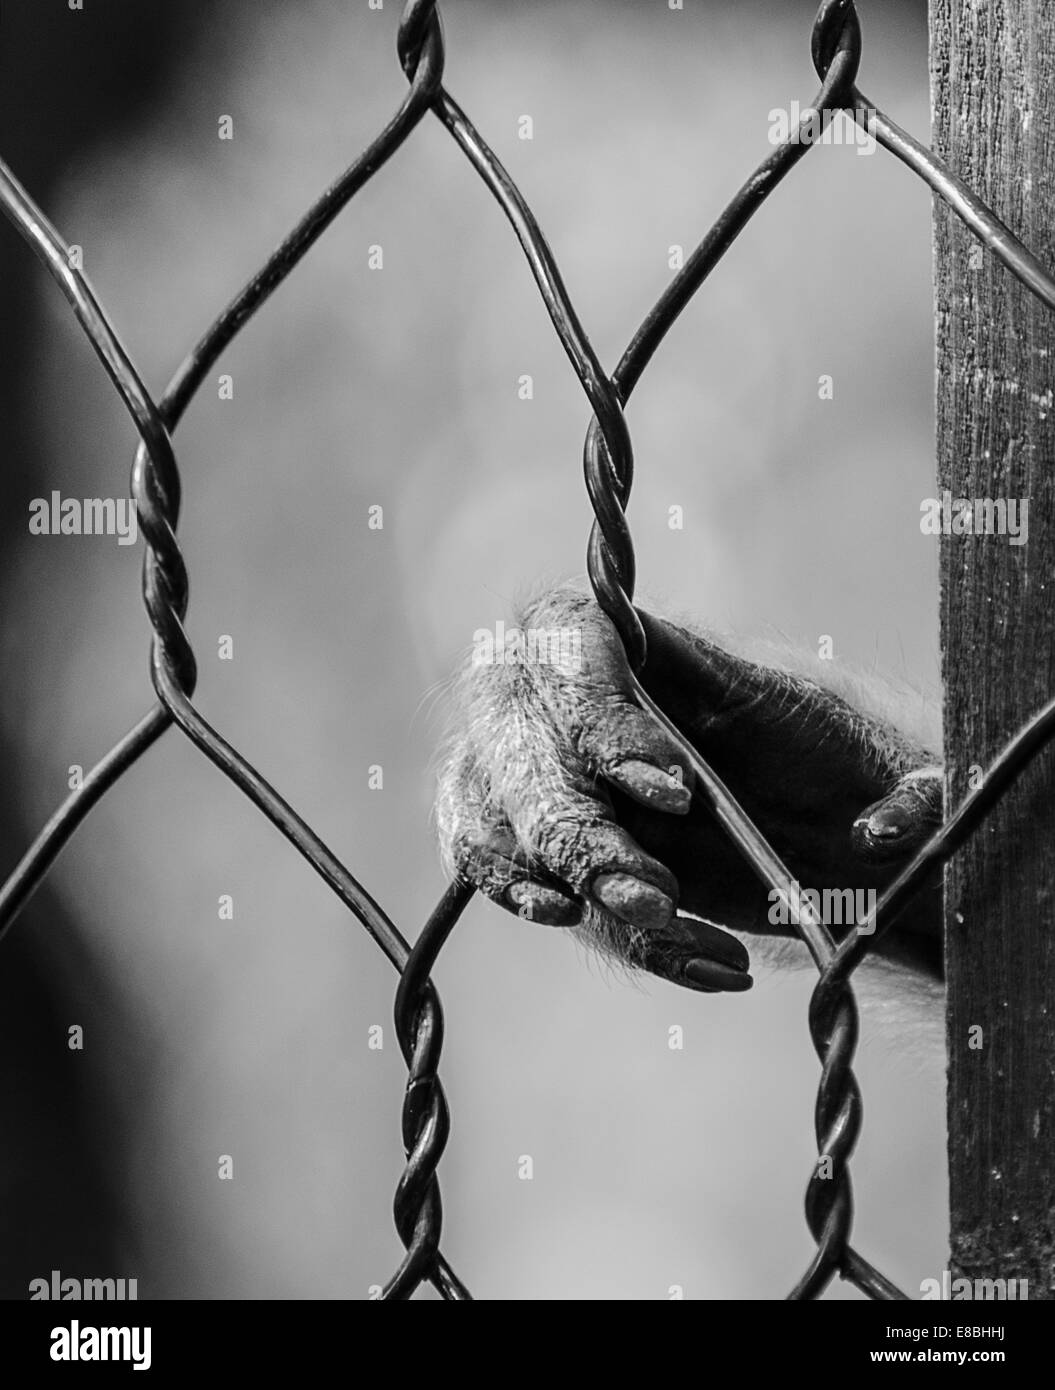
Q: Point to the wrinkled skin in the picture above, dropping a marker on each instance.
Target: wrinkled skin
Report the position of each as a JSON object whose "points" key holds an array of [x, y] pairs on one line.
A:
{"points": [[562, 800]]}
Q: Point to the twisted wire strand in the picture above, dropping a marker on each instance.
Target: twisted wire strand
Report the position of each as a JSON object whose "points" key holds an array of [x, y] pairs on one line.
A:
{"points": [[608, 468], [156, 489], [426, 1120]]}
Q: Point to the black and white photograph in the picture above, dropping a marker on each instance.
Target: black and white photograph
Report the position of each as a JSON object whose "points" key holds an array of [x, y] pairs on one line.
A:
{"points": [[527, 631]]}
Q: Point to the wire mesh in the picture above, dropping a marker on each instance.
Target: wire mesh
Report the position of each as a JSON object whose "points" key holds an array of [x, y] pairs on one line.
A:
{"points": [[608, 465]]}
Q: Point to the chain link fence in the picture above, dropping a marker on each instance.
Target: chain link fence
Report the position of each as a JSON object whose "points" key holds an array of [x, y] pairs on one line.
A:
{"points": [[608, 462]]}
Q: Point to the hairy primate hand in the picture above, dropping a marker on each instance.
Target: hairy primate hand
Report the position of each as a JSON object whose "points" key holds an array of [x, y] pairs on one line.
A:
{"points": [[563, 801]]}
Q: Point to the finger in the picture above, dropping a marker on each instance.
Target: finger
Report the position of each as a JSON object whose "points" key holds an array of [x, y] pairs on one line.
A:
{"points": [[537, 902], [699, 955], [687, 951], [577, 842], [631, 750], [491, 863], [613, 734], [900, 823]]}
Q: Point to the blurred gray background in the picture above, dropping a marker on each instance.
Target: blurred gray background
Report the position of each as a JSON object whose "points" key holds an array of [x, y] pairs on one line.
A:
{"points": [[398, 387]]}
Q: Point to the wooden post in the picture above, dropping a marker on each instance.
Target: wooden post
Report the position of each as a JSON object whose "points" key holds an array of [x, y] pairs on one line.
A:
{"points": [[993, 92]]}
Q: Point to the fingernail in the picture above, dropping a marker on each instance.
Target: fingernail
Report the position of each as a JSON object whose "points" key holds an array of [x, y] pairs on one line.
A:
{"points": [[544, 905], [654, 785], [718, 945], [711, 975], [634, 901], [887, 824]]}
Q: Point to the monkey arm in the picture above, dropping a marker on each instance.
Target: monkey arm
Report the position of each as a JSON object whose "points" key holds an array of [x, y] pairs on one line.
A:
{"points": [[562, 800]]}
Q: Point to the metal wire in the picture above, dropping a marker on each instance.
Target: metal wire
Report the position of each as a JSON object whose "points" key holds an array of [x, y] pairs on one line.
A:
{"points": [[608, 466]]}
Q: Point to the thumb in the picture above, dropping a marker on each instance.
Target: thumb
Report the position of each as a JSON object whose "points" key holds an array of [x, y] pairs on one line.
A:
{"points": [[902, 821]]}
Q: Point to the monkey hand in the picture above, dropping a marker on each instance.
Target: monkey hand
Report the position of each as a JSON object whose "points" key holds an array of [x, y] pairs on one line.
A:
{"points": [[563, 801]]}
